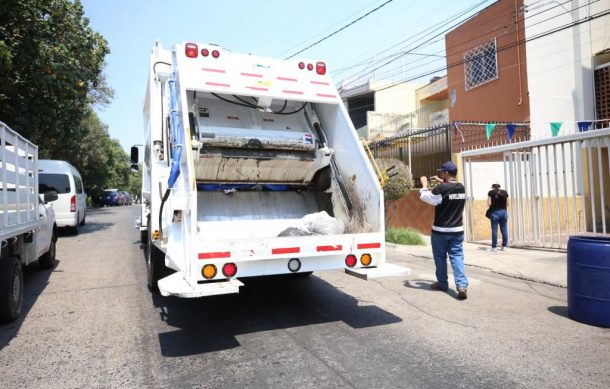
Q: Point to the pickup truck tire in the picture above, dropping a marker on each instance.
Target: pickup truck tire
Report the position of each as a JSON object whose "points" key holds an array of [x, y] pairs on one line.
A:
{"points": [[11, 289], [47, 260]]}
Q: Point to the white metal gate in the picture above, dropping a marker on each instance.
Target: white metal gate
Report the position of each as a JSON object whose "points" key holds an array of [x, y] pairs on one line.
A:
{"points": [[557, 187]]}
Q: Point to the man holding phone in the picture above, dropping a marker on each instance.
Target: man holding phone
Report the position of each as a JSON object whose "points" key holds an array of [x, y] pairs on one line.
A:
{"points": [[448, 198]]}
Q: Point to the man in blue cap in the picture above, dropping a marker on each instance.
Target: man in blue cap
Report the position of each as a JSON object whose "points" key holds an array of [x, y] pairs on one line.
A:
{"points": [[449, 198]]}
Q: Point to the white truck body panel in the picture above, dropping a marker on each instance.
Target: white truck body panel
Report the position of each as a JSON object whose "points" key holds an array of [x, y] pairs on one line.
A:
{"points": [[18, 159], [267, 144]]}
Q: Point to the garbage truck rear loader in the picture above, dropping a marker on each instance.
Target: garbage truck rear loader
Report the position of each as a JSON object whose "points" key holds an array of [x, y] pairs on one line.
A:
{"points": [[251, 167]]}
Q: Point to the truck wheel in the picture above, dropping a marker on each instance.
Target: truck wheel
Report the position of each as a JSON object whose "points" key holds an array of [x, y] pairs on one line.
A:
{"points": [[47, 260], [83, 222], [155, 263], [11, 289], [143, 236]]}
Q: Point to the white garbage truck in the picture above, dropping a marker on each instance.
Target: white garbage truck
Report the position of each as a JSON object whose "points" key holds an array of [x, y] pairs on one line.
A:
{"points": [[251, 167], [28, 231]]}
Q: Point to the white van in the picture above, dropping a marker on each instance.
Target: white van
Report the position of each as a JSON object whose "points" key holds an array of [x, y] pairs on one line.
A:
{"points": [[71, 206]]}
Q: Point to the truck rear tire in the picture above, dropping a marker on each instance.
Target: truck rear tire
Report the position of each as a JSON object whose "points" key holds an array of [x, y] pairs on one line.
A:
{"points": [[155, 263], [11, 289], [47, 260]]}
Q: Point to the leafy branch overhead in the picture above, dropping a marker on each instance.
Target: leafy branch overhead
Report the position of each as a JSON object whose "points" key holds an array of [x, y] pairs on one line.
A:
{"points": [[52, 64], [51, 75]]}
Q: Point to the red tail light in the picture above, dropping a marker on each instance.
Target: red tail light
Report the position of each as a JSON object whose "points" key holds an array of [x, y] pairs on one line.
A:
{"points": [[351, 260], [205, 52], [73, 204], [229, 269], [320, 68], [191, 50], [309, 66], [215, 53], [301, 65]]}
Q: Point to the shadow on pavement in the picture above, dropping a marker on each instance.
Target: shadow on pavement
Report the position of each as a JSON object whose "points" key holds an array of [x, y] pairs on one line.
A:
{"points": [[35, 280], [264, 304], [559, 311], [425, 285]]}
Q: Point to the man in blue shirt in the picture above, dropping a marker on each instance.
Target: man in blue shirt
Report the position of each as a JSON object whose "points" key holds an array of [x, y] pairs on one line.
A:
{"points": [[449, 198]]}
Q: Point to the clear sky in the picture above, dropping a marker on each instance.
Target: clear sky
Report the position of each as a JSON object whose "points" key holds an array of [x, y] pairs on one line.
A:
{"points": [[274, 28]]}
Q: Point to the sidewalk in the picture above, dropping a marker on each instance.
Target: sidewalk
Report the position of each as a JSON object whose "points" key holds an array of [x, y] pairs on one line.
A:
{"points": [[548, 267]]}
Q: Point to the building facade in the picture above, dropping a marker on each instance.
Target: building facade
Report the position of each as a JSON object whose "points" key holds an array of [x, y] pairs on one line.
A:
{"points": [[486, 72]]}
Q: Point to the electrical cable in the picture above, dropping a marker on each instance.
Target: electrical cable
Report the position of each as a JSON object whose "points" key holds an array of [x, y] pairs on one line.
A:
{"points": [[424, 32], [499, 49], [339, 30], [447, 50]]}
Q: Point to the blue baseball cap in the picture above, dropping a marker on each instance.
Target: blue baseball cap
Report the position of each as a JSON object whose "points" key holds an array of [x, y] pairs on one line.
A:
{"points": [[447, 167]]}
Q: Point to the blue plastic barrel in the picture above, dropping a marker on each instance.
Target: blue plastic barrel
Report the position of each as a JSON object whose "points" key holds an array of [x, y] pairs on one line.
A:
{"points": [[589, 280]]}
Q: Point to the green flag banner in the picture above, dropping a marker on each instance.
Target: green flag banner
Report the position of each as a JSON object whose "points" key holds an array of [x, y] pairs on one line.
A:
{"points": [[489, 127], [555, 126]]}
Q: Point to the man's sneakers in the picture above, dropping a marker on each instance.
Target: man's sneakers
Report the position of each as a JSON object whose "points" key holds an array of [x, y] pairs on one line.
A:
{"points": [[462, 293], [436, 286], [504, 248]]}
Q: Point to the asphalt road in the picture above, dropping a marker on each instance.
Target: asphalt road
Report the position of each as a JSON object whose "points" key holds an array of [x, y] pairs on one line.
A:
{"points": [[91, 322]]}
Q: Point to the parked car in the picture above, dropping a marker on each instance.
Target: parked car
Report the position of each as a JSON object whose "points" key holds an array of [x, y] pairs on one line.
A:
{"points": [[112, 197], [71, 205], [128, 200]]}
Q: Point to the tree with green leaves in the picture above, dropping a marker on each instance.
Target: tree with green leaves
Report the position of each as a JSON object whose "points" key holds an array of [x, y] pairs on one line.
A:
{"points": [[51, 65]]}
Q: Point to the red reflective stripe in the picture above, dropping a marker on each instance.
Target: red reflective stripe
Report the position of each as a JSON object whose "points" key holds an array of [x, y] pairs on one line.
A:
{"points": [[252, 75], [330, 248], [319, 83], [286, 250], [324, 95], [369, 245], [222, 254], [287, 79], [257, 88], [293, 92], [213, 70], [217, 84]]}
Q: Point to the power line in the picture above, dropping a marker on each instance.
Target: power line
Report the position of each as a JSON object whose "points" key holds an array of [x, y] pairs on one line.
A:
{"points": [[341, 29], [329, 28], [415, 37], [448, 49], [540, 35]]}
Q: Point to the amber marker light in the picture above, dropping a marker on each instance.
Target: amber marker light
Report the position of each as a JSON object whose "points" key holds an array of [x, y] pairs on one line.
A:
{"points": [[366, 259], [208, 272]]}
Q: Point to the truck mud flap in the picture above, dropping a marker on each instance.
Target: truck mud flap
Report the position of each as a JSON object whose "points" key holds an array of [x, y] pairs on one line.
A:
{"points": [[385, 270]]}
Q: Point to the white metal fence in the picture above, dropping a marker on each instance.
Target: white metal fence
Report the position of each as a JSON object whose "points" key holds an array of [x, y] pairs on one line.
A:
{"points": [[557, 187]]}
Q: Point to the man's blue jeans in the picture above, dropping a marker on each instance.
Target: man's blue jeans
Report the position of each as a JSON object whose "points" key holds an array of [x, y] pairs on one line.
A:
{"points": [[499, 216], [443, 244]]}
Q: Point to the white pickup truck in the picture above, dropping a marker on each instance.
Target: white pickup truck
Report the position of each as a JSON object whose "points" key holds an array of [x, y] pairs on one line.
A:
{"points": [[28, 231], [252, 167]]}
